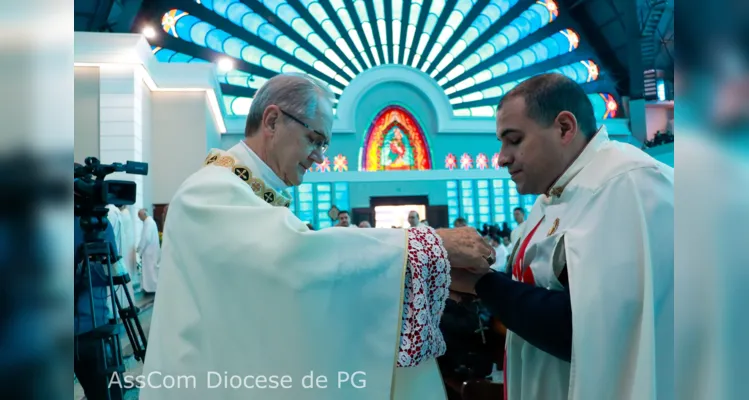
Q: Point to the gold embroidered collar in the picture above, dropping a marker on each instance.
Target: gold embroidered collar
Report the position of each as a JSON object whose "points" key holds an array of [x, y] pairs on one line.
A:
{"points": [[258, 186]]}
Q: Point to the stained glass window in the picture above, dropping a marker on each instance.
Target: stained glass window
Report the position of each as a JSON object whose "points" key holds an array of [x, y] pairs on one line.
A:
{"points": [[306, 211], [395, 142], [453, 206], [324, 202], [499, 208]]}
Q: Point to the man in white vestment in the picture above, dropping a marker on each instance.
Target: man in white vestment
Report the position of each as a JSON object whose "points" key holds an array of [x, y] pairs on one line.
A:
{"points": [[150, 252], [291, 313], [128, 243], [116, 219], [519, 215], [589, 303], [413, 218]]}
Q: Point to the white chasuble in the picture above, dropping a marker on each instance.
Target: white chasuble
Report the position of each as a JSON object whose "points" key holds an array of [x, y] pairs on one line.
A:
{"points": [[254, 305], [609, 220]]}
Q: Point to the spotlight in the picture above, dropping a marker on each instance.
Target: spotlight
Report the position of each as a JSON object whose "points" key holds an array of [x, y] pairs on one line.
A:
{"points": [[149, 32], [225, 65]]}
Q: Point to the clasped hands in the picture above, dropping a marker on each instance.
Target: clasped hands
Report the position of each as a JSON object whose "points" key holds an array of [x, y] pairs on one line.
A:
{"points": [[469, 255]]}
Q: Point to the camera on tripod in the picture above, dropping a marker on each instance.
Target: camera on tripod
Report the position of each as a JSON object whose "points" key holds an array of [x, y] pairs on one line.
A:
{"points": [[94, 270]]}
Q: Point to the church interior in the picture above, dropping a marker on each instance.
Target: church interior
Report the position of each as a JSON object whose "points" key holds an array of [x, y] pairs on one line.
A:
{"points": [[416, 85]]}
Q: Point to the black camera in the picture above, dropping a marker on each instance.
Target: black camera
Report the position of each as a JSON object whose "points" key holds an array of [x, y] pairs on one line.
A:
{"points": [[93, 191], [98, 338]]}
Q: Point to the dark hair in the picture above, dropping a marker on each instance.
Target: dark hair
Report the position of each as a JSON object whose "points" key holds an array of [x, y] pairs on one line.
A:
{"points": [[460, 219], [343, 212], [547, 95], [521, 209]]}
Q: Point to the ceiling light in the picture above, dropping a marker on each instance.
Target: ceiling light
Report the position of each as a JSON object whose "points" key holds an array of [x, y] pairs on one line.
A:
{"points": [[149, 32], [225, 65]]}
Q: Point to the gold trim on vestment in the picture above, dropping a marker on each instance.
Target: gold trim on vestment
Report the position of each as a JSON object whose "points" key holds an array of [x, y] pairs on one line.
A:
{"points": [[258, 186], [400, 318]]}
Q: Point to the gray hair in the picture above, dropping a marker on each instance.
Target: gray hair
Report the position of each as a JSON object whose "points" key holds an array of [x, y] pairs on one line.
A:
{"points": [[297, 94]]}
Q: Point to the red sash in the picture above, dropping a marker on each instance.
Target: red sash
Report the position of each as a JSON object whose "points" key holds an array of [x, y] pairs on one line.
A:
{"points": [[522, 276]]}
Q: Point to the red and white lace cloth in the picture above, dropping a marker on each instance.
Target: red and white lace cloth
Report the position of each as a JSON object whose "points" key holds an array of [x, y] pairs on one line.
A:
{"points": [[427, 289]]}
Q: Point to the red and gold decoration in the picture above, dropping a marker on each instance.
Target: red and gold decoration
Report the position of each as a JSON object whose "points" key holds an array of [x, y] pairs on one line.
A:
{"points": [[340, 163], [550, 5], [450, 161], [395, 142], [593, 69], [611, 106], [572, 37], [481, 161], [324, 166], [169, 21], [466, 162]]}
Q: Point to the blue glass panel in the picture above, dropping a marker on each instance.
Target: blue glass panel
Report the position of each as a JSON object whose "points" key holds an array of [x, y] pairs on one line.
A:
{"points": [[483, 209], [323, 206], [306, 197], [324, 224], [452, 184], [323, 196], [184, 25], [482, 184], [451, 194], [483, 192], [341, 186], [483, 201], [452, 203], [305, 206], [322, 216], [305, 187], [180, 57], [483, 218], [323, 187], [467, 202], [215, 40], [199, 31], [465, 184]]}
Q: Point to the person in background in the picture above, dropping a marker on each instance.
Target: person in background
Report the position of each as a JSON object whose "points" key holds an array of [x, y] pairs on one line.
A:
{"points": [[413, 219], [589, 306], [365, 224], [501, 252], [519, 214], [344, 219], [128, 252], [424, 222], [310, 227], [150, 252], [460, 222]]}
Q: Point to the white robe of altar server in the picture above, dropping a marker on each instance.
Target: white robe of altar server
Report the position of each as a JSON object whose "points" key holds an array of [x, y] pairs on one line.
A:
{"points": [[128, 245], [150, 252], [612, 225], [117, 220], [250, 291]]}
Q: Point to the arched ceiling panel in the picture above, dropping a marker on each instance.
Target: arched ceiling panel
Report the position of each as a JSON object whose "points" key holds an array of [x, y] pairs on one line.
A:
{"points": [[476, 50]]}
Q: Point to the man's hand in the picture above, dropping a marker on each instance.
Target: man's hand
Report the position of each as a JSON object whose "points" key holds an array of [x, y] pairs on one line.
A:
{"points": [[466, 249], [464, 281]]}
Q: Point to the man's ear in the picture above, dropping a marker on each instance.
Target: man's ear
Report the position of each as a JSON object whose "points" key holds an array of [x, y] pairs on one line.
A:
{"points": [[270, 117], [567, 124]]}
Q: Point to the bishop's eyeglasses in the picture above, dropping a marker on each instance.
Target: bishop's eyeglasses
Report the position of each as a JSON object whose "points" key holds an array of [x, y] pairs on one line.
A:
{"points": [[319, 142]]}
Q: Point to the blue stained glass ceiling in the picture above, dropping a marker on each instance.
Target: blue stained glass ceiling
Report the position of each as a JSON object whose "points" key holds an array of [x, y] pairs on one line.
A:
{"points": [[476, 50]]}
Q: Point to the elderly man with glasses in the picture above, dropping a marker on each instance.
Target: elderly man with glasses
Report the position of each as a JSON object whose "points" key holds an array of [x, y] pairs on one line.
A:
{"points": [[255, 305]]}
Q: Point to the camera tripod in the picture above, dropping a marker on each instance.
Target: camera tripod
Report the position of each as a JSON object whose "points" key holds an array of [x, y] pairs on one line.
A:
{"points": [[98, 256]]}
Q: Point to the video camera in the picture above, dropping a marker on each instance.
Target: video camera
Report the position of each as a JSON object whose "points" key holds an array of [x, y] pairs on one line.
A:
{"points": [[96, 192], [93, 193], [96, 273]]}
